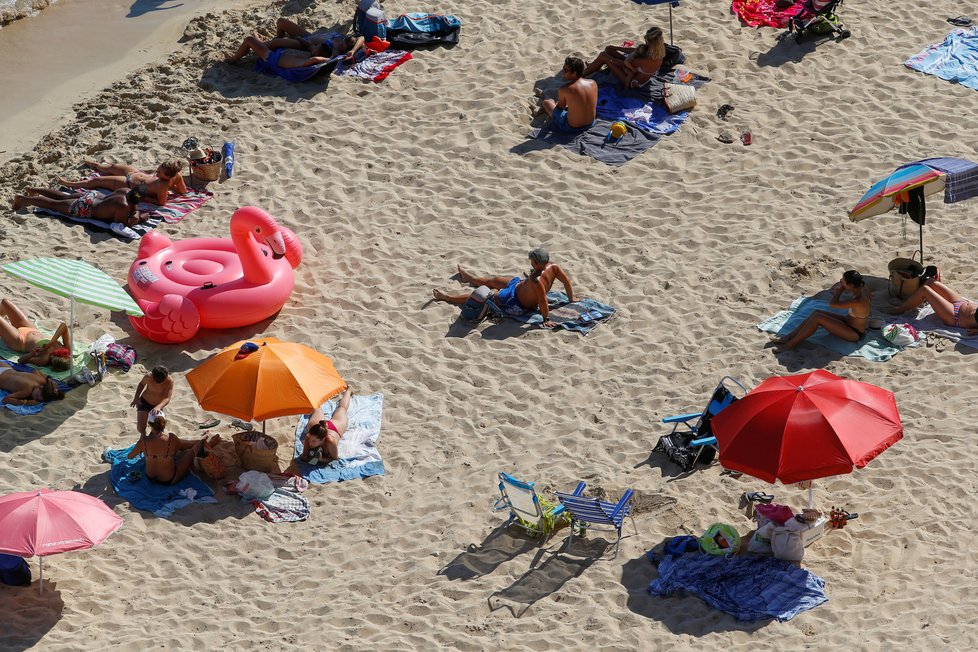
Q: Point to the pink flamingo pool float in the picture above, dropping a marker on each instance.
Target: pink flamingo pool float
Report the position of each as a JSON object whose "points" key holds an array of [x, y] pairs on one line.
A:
{"points": [[213, 282]]}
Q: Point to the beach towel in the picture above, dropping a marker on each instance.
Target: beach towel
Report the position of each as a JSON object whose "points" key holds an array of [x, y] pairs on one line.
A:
{"points": [[565, 314], [302, 74], [80, 358], [286, 504], [359, 457], [642, 110], [927, 321], [129, 479], [747, 588], [954, 59], [25, 410], [872, 346], [375, 67], [765, 13], [176, 208]]}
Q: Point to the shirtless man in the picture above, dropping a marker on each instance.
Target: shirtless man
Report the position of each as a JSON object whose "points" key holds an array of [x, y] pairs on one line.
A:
{"points": [[153, 393], [952, 308], [27, 387], [576, 107], [168, 458], [167, 177], [117, 207], [20, 334], [290, 52], [515, 295], [321, 441]]}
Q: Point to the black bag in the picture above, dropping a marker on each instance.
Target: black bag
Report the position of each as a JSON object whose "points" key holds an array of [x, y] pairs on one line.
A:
{"points": [[674, 57], [14, 571]]}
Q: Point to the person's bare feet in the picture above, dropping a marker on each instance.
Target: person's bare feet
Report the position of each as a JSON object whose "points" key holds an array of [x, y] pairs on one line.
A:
{"points": [[64, 182], [19, 202], [781, 348], [346, 397], [439, 295], [466, 277]]}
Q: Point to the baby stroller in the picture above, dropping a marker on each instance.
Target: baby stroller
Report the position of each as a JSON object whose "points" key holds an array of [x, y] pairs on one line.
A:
{"points": [[819, 18]]}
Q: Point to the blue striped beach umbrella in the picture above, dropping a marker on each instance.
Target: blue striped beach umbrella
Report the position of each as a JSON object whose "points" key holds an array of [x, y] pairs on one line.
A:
{"points": [[76, 280]]}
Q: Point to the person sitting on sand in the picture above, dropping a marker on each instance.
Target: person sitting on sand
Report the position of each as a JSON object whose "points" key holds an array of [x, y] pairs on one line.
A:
{"points": [[153, 393], [633, 67], [158, 183], [952, 308], [20, 334], [168, 458], [515, 295], [118, 207], [851, 326], [27, 387], [300, 52], [321, 441], [576, 107]]}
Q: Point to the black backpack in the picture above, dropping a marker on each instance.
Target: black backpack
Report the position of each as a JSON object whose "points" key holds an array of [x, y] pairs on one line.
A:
{"points": [[476, 307]]}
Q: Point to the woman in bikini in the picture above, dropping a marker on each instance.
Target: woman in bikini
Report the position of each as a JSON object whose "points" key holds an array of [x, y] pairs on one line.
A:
{"points": [[952, 308], [168, 458], [321, 441], [633, 67], [21, 335], [851, 326], [167, 177]]}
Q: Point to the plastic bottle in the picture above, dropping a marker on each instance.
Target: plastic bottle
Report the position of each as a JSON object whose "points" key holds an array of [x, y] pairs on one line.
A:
{"points": [[228, 151], [683, 75]]}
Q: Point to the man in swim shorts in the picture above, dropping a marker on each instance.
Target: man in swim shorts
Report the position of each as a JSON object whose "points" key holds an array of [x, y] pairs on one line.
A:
{"points": [[952, 308], [291, 52], [27, 387], [153, 393], [158, 183], [515, 295], [576, 107], [118, 206]]}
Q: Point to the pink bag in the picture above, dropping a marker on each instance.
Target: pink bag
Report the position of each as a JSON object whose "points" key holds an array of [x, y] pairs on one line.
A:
{"points": [[774, 513]]}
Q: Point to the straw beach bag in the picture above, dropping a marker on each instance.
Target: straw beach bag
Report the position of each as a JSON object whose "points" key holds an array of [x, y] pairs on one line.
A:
{"points": [[679, 97], [257, 451], [904, 276]]}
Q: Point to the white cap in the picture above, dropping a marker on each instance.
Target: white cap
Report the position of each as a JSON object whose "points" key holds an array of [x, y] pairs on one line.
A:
{"points": [[153, 414]]}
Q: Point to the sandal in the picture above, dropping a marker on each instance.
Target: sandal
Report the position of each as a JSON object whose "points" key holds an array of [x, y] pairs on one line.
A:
{"points": [[759, 497], [210, 423], [724, 110], [725, 137], [242, 425], [960, 21]]}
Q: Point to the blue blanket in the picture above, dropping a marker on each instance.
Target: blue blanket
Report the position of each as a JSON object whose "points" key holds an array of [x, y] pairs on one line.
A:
{"points": [[305, 73], [129, 479], [565, 314], [359, 457], [747, 588], [872, 347], [24, 410], [955, 59]]}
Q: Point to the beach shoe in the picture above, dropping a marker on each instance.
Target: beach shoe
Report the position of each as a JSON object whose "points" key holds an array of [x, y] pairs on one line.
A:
{"points": [[960, 21], [725, 137], [724, 110], [242, 425], [759, 497], [210, 423], [85, 376], [747, 137]]}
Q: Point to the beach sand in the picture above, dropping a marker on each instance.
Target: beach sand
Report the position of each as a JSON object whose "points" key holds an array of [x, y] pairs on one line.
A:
{"points": [[389, 186]]}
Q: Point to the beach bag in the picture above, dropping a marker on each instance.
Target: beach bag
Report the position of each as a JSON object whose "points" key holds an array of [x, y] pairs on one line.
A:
{"points": [[257, 451], [904, 276], [786, 542], [679, 97], [120, 355], [674, 57], [212, 465], [14, 571], [900, 335], [476, 307], [720, 539]]}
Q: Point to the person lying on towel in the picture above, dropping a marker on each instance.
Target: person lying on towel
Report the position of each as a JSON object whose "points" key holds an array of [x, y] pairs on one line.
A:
{"points": [[20, 334], [633, 67], [515, 295], [289, 52], [27, 387], [576, 107], [117, 207], [952, 308], [321, 442], [158, 183]]}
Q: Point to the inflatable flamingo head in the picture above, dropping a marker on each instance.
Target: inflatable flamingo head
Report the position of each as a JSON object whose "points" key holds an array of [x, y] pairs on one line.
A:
{"points": [[262, 227]]}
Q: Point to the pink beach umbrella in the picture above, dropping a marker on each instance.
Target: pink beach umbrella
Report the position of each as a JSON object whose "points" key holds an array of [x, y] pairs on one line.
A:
{"points": [[45, 522]]}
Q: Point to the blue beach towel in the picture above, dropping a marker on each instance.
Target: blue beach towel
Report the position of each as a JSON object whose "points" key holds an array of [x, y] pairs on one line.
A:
{"points": [[129, 479], [872, 347], [24, 410], [565, 314], [305, 73], [747, 588], [954, 59], [359, 457]]}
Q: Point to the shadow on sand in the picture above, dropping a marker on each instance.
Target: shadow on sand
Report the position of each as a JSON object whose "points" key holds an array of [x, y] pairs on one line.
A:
{"points": [[28, 614], [500, 546]]}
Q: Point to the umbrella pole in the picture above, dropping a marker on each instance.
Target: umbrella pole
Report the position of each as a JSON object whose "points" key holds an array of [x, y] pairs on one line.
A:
{"points": [[41, 574], [921, 244], [71, 338], [670, 24], [811, 496]]}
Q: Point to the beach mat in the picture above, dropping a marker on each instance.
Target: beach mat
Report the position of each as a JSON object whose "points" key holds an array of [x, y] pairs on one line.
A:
{"points": [[376, 67], [564, 314], [872, 347], [954, 59], [359, 457], [80, 358], [129, 480], [765, 13]]}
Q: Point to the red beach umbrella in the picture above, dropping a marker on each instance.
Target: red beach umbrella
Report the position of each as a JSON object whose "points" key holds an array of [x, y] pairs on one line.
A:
{"points": [[46, 522], [804, 427]]}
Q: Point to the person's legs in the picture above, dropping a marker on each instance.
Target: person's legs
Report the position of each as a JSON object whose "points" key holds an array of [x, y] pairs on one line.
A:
{"points": [[114, 169], [10, 327], [944, 291], [598, 63], [548, 105], [618, 69], [804, 325], [141, 417], [285, 27], [938, 295], [494, 282], [250, 44], [457, 299], [107, 182], [52, 194], [184, 460], [56, 205], [834, 324], [340, 416]]}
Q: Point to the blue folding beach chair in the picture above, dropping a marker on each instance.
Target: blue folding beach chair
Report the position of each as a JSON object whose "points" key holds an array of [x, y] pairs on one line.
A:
{"points": [[586, 512], [527, 510], [691, 440]]}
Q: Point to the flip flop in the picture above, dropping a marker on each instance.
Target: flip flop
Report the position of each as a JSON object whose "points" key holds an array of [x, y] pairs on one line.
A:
{"points": [[242, 425], [759, 497], [210, 423], [960, 21], [724, 110], [725, 137]]}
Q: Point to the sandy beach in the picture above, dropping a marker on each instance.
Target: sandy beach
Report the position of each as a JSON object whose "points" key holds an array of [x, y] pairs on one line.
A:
{"points": [[389, 186]]}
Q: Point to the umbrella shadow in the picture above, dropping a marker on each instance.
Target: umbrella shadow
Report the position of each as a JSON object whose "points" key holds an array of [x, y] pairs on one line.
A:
{"points": [[141, 7], [674, 611], [500, 546], [28, 614], [669, 470], [241, 80], [787, 49]]}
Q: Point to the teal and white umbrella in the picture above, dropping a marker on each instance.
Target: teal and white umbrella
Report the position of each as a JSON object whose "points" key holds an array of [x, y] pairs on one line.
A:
{"points": [[76, 280]]}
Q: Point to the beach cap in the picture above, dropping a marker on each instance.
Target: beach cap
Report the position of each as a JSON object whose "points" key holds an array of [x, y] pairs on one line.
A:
{"points": [[540, 255], [154, 415], [246, 349]]}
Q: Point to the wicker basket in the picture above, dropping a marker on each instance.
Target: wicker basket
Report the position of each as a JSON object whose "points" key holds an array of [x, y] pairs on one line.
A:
{"points": [[256, 459], [679, 97], [206, 171], [904, 277]]}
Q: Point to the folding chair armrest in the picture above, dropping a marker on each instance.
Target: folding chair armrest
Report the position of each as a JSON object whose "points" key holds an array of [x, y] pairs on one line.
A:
{"points": [[622, 503], [704, 441], [500, 505], [558, 509], [579, 489], [682, 418]]}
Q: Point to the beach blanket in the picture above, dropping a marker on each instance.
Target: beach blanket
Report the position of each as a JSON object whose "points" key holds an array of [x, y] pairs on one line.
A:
{"points": [[408, 31], [954, 59], [359, 457], [302, 74], [765, 13], [129, 479], [286, 504], [927, 321], [564, 314], [872, 347], [176, 208], [747, 588], [642, 110], [80, 358], [25, 410], [375, 67]]}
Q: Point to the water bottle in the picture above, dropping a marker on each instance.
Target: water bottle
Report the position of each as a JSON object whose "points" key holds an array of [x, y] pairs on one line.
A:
{"points": [[228, 151]]}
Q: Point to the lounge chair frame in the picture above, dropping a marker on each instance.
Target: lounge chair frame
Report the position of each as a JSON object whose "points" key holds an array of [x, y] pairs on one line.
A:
{"points": [[523, 503]]}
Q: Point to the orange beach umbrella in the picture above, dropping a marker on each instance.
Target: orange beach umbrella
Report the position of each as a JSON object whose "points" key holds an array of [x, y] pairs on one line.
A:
{"points": [[264, 378]]}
